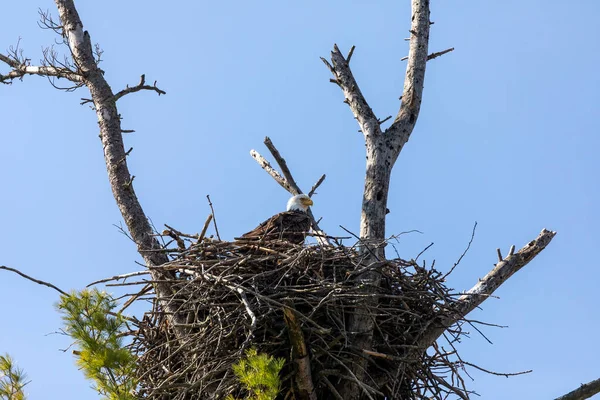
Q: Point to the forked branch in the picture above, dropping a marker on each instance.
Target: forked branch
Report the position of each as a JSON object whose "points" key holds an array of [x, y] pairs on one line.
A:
{"points": [[140, 86], [343, 77]]}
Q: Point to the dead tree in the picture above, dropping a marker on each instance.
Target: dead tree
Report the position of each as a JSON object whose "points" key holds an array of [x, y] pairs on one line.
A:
{"points": [[382, 150]]}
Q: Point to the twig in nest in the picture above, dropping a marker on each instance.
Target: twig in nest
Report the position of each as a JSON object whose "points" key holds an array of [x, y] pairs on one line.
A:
{"points": [[464, 252], [119, 277], [423, 251], [205, 227], [212, 210]]}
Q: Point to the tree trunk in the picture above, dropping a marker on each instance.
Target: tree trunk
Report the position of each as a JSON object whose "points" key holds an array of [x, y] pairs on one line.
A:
{"points": [[383, 149], [120, 179]]}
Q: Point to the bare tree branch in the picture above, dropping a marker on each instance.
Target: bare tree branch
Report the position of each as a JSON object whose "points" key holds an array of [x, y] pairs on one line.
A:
{"points": [[488, 285], [314, 188], [119, 277], [39, 282], [140, 86], [271, 171], [20, 69], [433, 55], [283, 165], [439, 53], [585, 391], [343, 76]]}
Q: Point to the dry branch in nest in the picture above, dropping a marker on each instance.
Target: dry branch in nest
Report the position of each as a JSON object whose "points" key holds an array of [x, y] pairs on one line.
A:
{"points": [[236, 295]]}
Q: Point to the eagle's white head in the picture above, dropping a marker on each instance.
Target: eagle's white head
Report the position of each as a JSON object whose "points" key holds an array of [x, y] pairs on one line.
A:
{"points": [[300, 202]]}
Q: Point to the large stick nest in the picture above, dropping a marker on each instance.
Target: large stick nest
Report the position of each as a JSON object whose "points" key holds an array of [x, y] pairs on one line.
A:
{"points": [[233, 295]]}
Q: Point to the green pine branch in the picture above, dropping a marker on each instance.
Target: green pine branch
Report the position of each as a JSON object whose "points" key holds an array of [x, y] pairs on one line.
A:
{"points": [[12, 380], [259, 373], [89, 319]]}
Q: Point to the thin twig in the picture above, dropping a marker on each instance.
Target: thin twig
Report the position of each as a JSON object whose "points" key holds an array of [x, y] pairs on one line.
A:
{"points": [[464, 252], [33, 279], [119, 277], [507, 374], [316, 185], [212, 210]]}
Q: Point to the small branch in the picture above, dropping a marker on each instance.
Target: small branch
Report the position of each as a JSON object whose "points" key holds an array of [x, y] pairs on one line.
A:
{"points": [[432, 55], [316, 185], [133, 298], [465, 252], [270, 170], [283, 165], [248, 310], [212, 210], [585, 391], [439, 53], [507, 374], [119, 277], [385, 119], [20, 69], [140, 86], [349, 56], [205, 227], [39, 282]]}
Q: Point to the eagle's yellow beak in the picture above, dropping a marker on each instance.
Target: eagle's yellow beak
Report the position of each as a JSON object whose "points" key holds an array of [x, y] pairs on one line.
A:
{"points": [[307, 202]]}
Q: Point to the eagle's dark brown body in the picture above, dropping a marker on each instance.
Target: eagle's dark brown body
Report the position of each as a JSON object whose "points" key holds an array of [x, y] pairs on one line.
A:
{"points": [[291, 226]]}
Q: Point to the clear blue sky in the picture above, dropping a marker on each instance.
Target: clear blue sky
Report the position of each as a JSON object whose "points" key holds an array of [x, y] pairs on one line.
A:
{"points": [[507, 136]]}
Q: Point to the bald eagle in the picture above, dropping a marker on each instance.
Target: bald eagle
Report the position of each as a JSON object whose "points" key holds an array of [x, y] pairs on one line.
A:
{"points": [[291, 225]]}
